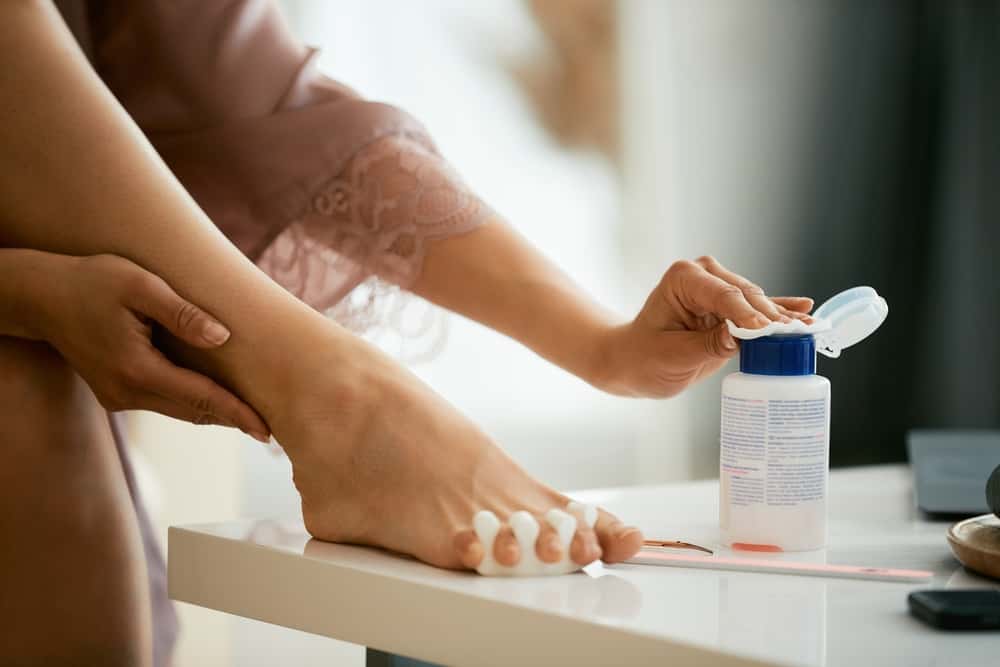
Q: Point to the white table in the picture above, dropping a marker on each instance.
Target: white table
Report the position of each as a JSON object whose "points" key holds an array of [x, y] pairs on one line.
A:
{"points": [[625, 614]]}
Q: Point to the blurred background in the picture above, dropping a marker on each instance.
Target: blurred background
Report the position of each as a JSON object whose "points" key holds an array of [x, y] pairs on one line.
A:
{"points": [[812, 146]]}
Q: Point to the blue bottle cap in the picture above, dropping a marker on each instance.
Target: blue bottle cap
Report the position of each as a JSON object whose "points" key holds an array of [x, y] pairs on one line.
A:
{"points": [[793, 354]]}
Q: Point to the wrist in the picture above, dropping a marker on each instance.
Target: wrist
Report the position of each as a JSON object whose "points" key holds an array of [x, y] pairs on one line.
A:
{"points": [[603, 369]]}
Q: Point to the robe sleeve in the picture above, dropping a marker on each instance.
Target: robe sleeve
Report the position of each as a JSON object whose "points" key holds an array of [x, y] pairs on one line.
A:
{"points": [[320, 187]]}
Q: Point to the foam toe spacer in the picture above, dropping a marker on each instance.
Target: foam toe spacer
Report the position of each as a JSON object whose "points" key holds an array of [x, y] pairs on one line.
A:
{"points": [[525, 528], [586, 513], [563, 524]]}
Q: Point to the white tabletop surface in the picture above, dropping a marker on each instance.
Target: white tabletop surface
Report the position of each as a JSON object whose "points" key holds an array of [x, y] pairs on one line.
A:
{"points": [[624, 614]]}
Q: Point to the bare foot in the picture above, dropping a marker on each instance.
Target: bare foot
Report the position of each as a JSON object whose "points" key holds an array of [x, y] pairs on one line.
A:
{"points": [[381, 460]]}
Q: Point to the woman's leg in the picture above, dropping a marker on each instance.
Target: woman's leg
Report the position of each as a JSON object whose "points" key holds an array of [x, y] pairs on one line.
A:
{"points": [[72, 570], [378, 458]]}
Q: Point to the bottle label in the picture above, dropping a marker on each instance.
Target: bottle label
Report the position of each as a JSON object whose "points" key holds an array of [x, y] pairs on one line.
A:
{"points": [[773, 452]]}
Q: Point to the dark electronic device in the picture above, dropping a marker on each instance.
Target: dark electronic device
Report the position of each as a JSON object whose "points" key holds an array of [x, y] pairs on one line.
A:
{"points": [[950, 469], [957, 609]]}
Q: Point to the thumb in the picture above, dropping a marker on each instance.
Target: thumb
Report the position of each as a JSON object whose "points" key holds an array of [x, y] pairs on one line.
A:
{"points": [[719, 342], [708, 350], [704, 347], [180, 317]]}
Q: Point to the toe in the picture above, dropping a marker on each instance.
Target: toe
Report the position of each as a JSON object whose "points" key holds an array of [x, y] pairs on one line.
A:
{"points": [[618, 541], [564, 524], [585, 514], [505, 549], [469, 549], [547, 544], [585, 548]]}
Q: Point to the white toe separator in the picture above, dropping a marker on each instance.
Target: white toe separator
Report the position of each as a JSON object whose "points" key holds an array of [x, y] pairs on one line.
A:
{"points": [[525, 528]]}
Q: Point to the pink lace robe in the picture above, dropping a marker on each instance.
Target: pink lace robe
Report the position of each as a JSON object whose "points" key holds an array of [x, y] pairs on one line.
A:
{"points": [[324, 190], [320, 187]]}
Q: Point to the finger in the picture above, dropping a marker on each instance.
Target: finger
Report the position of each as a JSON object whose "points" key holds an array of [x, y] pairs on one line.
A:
{"points": [[800, 304], [751, 291], [720, 346], [183, 319], [207, 401], [796, 315], [693, 348], [697, 354], [183, 410], [165, 406], [701, 292]]}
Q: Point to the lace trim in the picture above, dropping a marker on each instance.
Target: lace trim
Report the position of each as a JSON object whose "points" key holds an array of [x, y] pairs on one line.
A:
{"points": [[365, 236]]}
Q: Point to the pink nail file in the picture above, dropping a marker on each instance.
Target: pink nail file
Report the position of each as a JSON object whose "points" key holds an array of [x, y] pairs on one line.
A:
{"points": [[656, 557]]}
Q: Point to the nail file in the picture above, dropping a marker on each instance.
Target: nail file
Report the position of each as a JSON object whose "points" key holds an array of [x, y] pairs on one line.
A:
{"points": [[656, 557]]}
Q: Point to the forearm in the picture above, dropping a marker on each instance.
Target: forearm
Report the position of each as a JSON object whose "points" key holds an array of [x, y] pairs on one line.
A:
{"points": [[494, 276], [400, 211], [23, 276]]}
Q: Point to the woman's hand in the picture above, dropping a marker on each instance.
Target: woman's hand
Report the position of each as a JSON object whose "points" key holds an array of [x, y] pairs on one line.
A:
{"points": [[680, 335], [99, 312]]}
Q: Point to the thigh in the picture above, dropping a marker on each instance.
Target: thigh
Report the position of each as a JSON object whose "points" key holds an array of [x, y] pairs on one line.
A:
{"points": [[72, 572]]}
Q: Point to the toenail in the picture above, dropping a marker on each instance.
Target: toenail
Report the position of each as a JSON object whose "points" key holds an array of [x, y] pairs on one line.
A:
{"points": [[624, 531]]}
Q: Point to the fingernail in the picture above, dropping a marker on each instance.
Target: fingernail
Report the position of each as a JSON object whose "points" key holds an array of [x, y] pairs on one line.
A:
{"points": [[728, 342], [259, 436], [625, 531], [215, 333]]}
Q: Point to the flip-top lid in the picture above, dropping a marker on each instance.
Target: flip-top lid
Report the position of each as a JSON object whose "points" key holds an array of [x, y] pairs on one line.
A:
{"points": [[853, 315]]}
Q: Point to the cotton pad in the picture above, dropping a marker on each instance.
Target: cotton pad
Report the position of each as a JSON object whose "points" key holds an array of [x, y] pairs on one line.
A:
{"points": [[525, 528], [776, 328]]}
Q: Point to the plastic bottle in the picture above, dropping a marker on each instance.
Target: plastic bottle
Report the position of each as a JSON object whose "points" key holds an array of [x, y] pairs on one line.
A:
{"points": [[775, 436]]}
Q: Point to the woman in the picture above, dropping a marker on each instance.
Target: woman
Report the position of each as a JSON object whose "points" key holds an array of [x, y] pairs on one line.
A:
{"points": [[216, 103]]}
